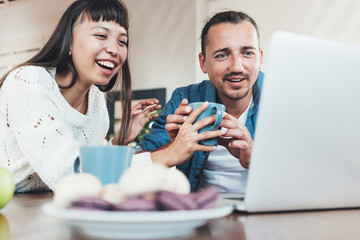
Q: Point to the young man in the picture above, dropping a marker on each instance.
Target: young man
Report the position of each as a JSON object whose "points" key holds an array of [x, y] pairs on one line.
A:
{"points": [[231, 56]]}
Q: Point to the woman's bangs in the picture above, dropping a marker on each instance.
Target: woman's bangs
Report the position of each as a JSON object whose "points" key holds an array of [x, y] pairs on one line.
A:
{"points": [[107, 11]]}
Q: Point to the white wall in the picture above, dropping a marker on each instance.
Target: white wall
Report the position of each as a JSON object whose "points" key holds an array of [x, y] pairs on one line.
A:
{"points": [[162, 50], [165, 34], [163, 37], [330, 19], [25, 26]]}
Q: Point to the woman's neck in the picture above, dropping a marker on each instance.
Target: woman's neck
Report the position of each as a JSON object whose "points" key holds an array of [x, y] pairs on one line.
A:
{"points": [[77, 95]]}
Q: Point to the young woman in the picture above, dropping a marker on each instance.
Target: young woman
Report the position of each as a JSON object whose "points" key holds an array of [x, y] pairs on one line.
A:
{"points": [[54, 103]]}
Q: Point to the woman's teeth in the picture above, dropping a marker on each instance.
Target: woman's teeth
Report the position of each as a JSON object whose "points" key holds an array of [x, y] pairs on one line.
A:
{"points": [[106, 64]]}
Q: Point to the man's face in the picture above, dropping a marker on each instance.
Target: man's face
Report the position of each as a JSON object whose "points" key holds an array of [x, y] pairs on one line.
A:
{"points": [[233, 59]]}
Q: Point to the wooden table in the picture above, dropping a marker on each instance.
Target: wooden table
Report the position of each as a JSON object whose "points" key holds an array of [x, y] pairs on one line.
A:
{"points": [[23, 219]]}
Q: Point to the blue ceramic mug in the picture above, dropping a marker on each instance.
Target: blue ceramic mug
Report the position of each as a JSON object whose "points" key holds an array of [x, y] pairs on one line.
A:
{"points": [[107, 163], [213, 109]]}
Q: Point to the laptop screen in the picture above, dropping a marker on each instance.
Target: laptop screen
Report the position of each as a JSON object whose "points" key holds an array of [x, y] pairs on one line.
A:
{"points": [[306, 152]]}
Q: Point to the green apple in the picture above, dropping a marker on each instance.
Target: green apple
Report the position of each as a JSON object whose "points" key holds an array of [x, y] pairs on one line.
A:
{"points": [[7, 186]]}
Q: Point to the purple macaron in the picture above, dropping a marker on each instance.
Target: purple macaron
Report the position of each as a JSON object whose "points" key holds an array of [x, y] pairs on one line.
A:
{"points": [[170, 201], [206, 198], [91, 203], [136, 204]]}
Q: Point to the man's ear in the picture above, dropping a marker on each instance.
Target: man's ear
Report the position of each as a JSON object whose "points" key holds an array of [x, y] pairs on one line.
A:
{"points": [[261, 57], [202, 63]]}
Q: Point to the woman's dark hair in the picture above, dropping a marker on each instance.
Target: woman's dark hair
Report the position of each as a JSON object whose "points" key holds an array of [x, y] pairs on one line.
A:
{"points": [[225, 17], [55, 53]]}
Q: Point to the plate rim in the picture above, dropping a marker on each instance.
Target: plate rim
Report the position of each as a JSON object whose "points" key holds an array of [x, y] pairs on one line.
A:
{"points": [[137, 216]]}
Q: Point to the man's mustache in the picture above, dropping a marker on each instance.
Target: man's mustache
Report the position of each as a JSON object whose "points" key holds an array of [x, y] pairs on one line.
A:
{"points": [[236, 75]]}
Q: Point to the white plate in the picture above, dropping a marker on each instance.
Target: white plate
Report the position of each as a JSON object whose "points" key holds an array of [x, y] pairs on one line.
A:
{"points": [[137, 225]]}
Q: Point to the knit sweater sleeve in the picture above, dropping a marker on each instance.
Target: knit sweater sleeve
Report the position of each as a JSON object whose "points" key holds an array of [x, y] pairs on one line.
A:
{"points": [[35, 116]]}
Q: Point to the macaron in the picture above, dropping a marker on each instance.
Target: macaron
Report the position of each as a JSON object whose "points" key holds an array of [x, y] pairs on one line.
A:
{"points": [[170, 201], [153, 178], [75, 186], [91, 203], [112, 193], [177, 182], [136, 204], [206, 197]]}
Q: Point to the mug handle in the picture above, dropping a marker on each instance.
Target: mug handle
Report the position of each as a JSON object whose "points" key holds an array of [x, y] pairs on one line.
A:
{"points": [[219, 115], [77, 165]]}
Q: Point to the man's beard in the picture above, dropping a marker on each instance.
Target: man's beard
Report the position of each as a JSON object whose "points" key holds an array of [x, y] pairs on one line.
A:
{"points": [[236, 95]]}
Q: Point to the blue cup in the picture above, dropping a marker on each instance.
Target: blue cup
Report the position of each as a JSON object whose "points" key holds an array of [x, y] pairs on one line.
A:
{"points": [[107, 163], [213, 109]]}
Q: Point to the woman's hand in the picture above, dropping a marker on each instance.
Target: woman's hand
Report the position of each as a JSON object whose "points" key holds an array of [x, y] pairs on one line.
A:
{"points": [[174, 121], [187, 139], [139, 117]]}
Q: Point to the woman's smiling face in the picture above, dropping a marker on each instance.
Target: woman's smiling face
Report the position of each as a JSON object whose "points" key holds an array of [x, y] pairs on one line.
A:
{"points": [[98, 49]]}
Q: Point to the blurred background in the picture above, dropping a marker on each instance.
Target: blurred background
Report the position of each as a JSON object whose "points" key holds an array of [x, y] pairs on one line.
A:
{"points": [[165, 34]]}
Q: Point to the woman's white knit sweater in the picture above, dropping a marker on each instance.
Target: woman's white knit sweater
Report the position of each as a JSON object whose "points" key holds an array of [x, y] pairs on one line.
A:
{"points": [[40, 133]]}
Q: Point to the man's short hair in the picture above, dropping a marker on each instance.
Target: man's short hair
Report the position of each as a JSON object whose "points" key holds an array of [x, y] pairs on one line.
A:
{"points": [[225, 17]]}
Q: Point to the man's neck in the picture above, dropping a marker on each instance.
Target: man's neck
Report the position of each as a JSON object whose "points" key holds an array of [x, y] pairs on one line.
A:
{"points": [[235, 107]]}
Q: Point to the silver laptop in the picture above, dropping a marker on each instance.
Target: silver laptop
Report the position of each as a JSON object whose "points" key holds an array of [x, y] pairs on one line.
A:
{"points": [[306, 152]]}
